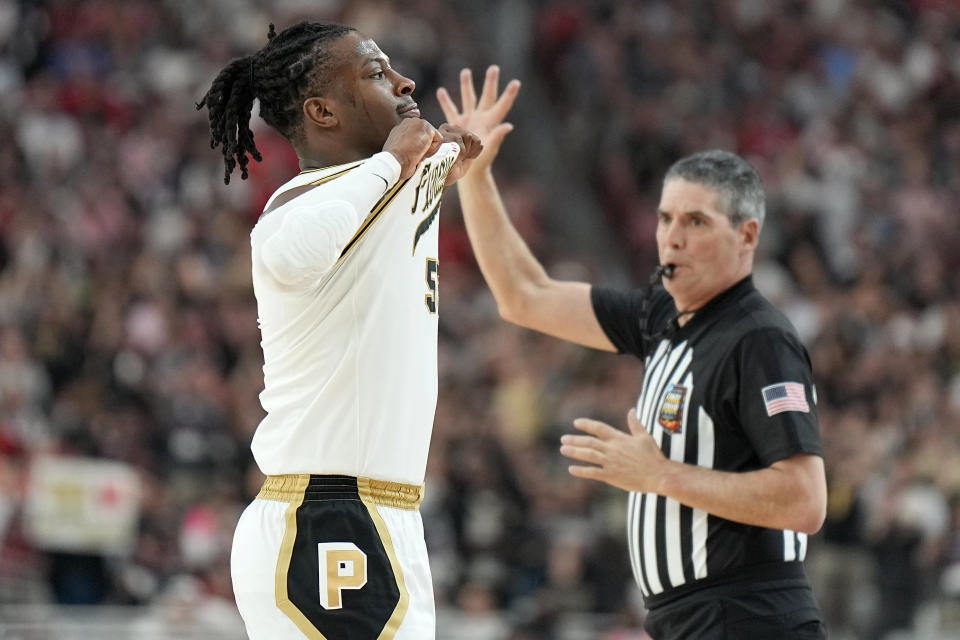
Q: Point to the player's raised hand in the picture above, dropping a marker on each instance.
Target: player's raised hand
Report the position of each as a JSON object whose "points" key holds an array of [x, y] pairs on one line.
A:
{"points": [[484, 117]]}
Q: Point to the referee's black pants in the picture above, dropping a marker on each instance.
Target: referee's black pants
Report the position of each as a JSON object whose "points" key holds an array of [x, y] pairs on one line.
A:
{"points": [[773, 609]]}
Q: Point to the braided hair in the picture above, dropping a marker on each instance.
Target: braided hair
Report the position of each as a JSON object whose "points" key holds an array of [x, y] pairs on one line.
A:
{"points": [[290, 68]]}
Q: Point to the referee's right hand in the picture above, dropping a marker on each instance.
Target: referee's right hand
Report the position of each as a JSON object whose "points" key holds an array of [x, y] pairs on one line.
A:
{"points": [[631, 461]]}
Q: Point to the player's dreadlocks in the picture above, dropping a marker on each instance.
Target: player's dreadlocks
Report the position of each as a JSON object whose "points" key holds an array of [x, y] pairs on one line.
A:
{"points": [[281, 75]]}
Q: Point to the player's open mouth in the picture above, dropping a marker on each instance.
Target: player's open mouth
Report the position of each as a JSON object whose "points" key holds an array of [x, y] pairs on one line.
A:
{"points": [[409, 111]]}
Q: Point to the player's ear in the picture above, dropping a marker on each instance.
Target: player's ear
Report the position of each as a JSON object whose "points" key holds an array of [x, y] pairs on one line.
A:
{"points": [[321, 112]]}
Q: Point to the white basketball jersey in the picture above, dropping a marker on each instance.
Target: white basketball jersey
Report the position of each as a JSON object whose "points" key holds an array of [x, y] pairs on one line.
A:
{"points": [[345, 276]]}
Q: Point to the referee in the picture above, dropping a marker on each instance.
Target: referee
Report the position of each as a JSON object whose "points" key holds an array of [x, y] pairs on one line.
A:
{"points": [[722, 458]]}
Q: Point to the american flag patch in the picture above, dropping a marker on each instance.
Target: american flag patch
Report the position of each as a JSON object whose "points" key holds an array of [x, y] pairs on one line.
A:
{"points": [[785, 396]]}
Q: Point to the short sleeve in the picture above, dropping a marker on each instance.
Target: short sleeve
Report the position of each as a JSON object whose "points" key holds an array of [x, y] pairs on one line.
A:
{"points": [[776, 399], [620, 314]]}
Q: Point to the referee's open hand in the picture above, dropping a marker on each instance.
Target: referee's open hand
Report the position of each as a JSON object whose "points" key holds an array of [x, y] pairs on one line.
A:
{"points": [[630, 461]]}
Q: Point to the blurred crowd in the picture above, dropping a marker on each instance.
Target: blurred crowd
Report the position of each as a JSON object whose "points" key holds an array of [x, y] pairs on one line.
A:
{"points": [[128, 328]]}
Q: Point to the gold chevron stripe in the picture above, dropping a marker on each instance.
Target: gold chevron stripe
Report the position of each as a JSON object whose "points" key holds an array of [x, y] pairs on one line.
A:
{"points": [[393, 623], [336, 174], [293, 488], [374, 214]]}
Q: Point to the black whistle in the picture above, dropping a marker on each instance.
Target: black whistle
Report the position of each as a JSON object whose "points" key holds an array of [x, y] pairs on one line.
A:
{"points": [[665, 270]]}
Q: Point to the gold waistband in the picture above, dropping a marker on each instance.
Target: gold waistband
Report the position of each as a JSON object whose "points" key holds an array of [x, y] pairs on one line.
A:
{"points": [[292, 487]]}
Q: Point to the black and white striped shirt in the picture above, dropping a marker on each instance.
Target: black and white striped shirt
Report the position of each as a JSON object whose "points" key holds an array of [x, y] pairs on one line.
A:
{"points": [[730, 390]]}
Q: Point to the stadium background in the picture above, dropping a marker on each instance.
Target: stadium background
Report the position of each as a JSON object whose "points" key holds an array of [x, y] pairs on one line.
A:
{"points": [[129, 356]]}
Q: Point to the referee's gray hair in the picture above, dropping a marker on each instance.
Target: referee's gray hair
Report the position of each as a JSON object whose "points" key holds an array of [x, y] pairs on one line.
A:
{"points": [[735, 181]]}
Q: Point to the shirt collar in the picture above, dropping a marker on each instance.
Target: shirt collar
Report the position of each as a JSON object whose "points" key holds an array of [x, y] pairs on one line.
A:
{"points": [[719, 301]]}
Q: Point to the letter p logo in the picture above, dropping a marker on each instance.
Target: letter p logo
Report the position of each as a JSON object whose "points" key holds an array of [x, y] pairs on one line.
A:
{"points": [[342, 566]]}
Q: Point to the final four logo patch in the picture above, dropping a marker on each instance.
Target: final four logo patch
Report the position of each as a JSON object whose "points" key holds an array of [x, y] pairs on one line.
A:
{"points": [[671, 411]]}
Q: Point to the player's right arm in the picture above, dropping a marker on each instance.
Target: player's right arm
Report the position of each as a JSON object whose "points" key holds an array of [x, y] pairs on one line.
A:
{"points": [[526, 295]]}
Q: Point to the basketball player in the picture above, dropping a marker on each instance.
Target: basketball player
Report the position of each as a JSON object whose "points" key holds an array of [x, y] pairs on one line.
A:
{"points": [[345, 275], [722, 458]]}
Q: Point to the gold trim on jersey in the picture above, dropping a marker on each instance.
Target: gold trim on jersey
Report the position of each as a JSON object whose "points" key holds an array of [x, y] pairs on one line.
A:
{"points": [[289, 488], [335, 167], [425, 225], [378, 208], [370, 490], [288, 195], [285, 488], [391, 494], [331, 176]]}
